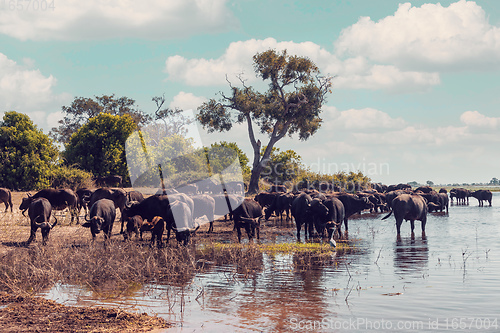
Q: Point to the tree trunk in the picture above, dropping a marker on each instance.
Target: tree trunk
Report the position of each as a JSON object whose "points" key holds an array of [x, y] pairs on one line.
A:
{"points": [[253, 186], [258, 165]]}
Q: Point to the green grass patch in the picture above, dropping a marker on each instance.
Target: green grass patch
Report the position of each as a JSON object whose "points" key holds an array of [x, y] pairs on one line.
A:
{"points": [[283, 248]]}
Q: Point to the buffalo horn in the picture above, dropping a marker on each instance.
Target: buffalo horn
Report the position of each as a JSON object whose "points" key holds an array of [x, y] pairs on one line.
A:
{"points": [[42, 225], [53, 224], [193, 230], [249, 220]]}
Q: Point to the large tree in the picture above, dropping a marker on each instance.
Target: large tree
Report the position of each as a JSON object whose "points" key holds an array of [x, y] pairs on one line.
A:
{"points": [[99, 145], [27, 155], [291, 104], [83, 109]]}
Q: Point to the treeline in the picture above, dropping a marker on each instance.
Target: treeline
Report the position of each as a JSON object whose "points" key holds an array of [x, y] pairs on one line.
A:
{"points": [[111, 136]]}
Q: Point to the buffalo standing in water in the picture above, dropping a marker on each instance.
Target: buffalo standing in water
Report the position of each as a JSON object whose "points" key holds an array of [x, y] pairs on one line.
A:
{"points": [[409, 207]]}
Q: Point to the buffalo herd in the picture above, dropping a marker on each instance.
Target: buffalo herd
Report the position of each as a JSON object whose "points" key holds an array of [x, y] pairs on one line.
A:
{"points": [[320, 213]]}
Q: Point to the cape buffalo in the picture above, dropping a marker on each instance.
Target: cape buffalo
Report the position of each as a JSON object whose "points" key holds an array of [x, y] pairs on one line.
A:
{"points": [[134, 225], [161, 205], [183, 225], [300, 212], [331, 219], [352, 205], [113, 180], [134, 196], [6, 198], [117, 195], [157, 227], [39, 212], [282, 203], [59, 200], [102, 217], [248, 215], [482, 195], [409, 207], [204, 205], [83, 195], [462, 195]]}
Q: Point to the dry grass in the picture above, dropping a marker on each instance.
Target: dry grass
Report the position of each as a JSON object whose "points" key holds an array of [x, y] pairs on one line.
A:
{"points": [[117, 267]]}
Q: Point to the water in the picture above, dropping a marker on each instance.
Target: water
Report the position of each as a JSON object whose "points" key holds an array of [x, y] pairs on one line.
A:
{"points": [[448, 281]]}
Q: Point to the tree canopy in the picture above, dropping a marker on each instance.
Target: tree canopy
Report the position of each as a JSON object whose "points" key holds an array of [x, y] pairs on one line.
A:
{"points": [[28, 155], [291, 104], [283, 166], [83, 109], [99, 145]]}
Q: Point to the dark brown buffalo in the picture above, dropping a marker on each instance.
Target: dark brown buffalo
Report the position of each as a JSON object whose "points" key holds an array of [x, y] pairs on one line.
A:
{"points": [[248, 215], [6, 198], [134, 196], [301, 214], [39, 212], [282, 203], [117, 195], [482, 195], [409, 207], [329, 215], [444, 201], [84, 195], [102, 217], [174, 212], [278, 188], [134, 225], [59, 200], [462, 195], [112, 181], [352, 205], [425, 189], [157, 227], [266, 199]]}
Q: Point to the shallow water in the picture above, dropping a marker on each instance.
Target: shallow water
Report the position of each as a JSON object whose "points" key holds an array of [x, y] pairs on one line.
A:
{"points": [[450, 280]]}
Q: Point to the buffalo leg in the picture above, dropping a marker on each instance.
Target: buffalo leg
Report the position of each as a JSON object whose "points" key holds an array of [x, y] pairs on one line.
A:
{"points": [[45, 235], [299, 225], [32, 236], [238, 230], [398, 227]]}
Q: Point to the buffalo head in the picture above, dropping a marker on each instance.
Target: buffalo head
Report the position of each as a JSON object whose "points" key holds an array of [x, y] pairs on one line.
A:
{"points": [[95, 224], [25, 204], [184, 235]]}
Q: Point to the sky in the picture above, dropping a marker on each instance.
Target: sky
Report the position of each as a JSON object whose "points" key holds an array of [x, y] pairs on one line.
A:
{"points": [[416, 89]]}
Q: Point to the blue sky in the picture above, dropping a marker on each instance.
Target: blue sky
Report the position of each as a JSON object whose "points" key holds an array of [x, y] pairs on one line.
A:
{"points": [[416, 89]]}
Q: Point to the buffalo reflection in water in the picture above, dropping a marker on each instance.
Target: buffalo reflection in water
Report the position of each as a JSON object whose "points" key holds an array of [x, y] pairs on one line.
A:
{"points": [[411, 256]]}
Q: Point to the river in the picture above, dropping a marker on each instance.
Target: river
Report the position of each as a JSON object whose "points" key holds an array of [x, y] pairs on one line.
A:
{"points": [[449, 280]]}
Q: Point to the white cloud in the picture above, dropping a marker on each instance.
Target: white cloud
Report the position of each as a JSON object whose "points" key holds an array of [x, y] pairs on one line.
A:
{"points": [[27, 90], [187, 101], [476, 119], [368, 118], [427, 37], [95, 19], [353, 73]]}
